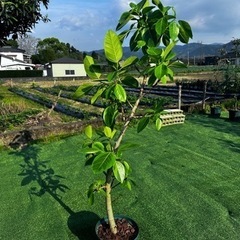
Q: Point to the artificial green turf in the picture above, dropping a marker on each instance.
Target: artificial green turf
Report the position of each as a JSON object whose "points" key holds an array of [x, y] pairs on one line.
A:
{"points": [[187, 178]]}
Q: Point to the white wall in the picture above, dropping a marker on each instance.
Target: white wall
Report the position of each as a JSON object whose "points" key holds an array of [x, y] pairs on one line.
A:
{"points": [[58, 70]]}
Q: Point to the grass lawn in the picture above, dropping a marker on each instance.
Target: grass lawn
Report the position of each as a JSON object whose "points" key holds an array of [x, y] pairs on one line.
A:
{"points": [[187, 176]]}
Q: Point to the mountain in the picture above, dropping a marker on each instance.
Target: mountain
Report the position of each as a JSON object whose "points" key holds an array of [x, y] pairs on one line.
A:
{"points": [[191, 50]]}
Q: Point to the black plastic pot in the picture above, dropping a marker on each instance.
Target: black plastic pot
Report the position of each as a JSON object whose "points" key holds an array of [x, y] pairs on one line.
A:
{"points": [[216, 111], [129, 220], [234, 114]]}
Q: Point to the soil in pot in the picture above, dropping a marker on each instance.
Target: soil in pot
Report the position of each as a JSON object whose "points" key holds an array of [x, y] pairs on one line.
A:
{"points": [[127, 230]]}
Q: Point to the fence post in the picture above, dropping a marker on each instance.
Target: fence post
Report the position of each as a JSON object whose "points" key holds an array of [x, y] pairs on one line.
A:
{"points": [[204, 95], [179, 95]]}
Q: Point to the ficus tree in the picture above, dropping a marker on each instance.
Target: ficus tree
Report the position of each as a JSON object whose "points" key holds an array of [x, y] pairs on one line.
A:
{"points": [[154, 30]]}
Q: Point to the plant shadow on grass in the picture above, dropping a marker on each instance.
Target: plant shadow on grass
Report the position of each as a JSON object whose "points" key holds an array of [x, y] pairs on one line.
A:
{"points": [[218, 124], [81, 223]]}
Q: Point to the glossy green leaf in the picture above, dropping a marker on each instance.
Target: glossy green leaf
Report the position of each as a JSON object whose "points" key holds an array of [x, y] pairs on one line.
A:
{"points": [[107, 131], [143, 122], [126, 146], [124, 19], [156, 2], [161, 26], [109, 116], [185, 31], [164, 79], [98, 146], [103, 162], [120, 93], [119, 171], [88, 131], [83, 90], [158, 124], [160, 71], [154, 51], [97, 95], [173, 30], [168, 49], [141, 43], [90, 195], [152, 80], [130, 81], [127, 168], [127, 184], [147, 9], [129, 61], [112, 47], [178, 64], [88, 62]]}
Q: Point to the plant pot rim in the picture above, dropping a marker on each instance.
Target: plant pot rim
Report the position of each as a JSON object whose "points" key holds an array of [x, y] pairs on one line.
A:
{"points": [[119, 216]]}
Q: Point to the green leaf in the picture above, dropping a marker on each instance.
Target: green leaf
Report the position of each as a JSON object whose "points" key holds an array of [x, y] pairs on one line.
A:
{"points": [[103, 162], [112, 47], [154, 51], [185, 31], [127, 184], [152, 80], [129, 61], [158, 124], [130, 81], [109, 116], [120, 93], [92, 72], [126, 146], [107, 131], [173, 30], [89, 150], [168, 49], [90, 195], [141, 43], [124, 19], [164, 79], [83, 90], [97, 95], [161, 26], [98, 146], [119, 171], [156, 2], [143, 122], [89, 131], [127, 168], [178, 64], [160, 71]]}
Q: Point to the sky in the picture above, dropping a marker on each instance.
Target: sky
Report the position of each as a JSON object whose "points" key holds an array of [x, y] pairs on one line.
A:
{"points": [[83, 23]]}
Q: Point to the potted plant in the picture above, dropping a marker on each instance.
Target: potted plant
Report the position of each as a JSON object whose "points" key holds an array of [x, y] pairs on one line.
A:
{"points": [[216, 109], [154, 31], [234, 111]]}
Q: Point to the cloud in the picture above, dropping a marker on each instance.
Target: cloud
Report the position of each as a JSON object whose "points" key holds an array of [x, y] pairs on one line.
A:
{"points": [[85, 21]]}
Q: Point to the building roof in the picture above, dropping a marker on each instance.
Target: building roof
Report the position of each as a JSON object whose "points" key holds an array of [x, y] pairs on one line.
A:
{"points": [[11, 49], [66, 60]]}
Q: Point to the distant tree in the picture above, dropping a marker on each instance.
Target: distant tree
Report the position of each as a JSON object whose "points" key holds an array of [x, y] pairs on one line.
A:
{"points": [[236, 44], [18, 17], [11, 42], [94, 55], [28, 43], [50, 49]]}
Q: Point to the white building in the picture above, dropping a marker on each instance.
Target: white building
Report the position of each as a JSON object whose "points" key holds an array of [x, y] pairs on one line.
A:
{"points": [[14, 59], [65, 67]]}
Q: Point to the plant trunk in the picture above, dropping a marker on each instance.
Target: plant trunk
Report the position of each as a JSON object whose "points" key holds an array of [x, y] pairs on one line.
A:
{"points": [[110, 214]]}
